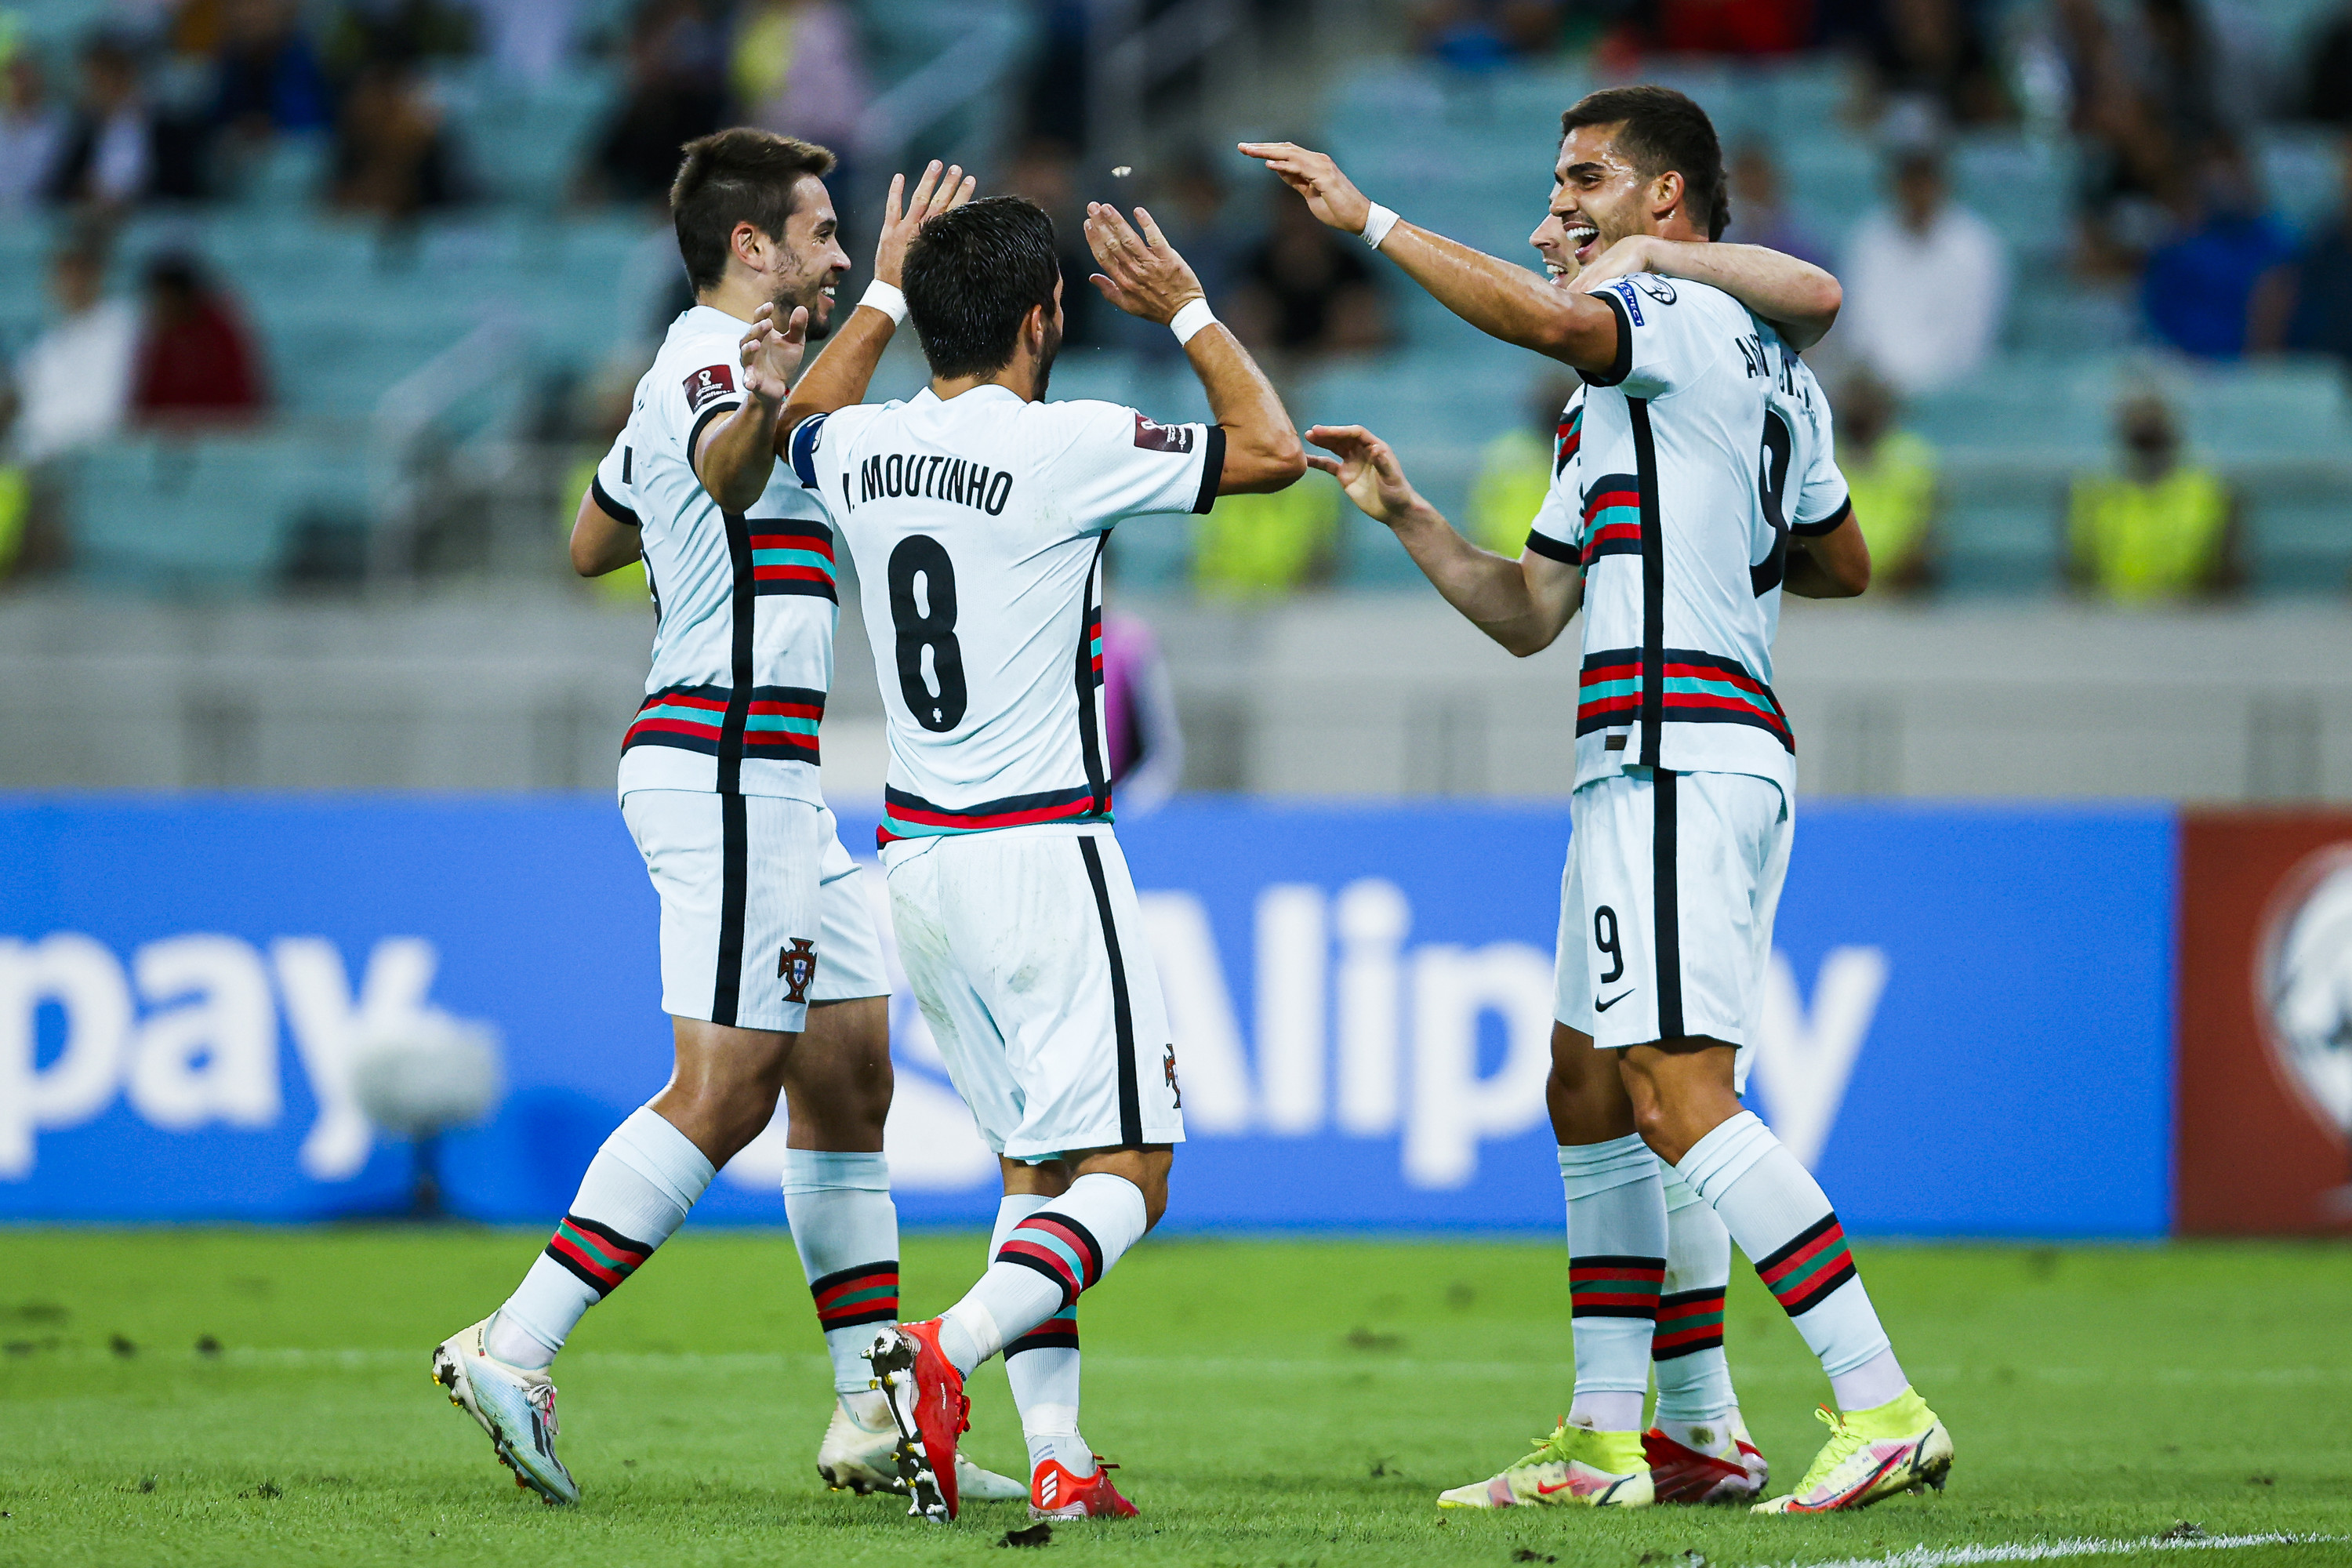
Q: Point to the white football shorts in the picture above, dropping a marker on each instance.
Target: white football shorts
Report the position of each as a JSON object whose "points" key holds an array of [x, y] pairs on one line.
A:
{"points": [[849, 944], [740, 928], [1666, 906], [1026, 948]]}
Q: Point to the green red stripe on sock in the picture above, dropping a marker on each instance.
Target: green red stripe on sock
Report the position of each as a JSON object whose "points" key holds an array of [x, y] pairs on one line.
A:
{"points": [[601, 1256], [1605, 1286], [865, 1294], [1058, 1332], [1801, 1275], [1057, 1246], [1688, 1322]]}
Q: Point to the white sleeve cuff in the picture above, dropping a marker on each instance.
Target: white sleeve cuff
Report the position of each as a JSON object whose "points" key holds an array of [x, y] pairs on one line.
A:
{"points": [[887, 299]]}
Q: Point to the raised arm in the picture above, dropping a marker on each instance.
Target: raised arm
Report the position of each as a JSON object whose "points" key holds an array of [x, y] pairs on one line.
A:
{"points": [[1523, 605], [1801, 299], [1142, 275], [1498, 297], [737, 454], [846, 368]]}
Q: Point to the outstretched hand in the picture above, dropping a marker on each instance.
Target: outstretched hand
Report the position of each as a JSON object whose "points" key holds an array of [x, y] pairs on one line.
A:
{"points": [[1141, 273], [1330, 194], [1366, 469], [770, 353], [936, 191]]}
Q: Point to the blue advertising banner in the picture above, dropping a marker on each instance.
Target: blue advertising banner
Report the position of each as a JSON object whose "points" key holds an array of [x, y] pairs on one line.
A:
{"points": [[1968, 1026]]}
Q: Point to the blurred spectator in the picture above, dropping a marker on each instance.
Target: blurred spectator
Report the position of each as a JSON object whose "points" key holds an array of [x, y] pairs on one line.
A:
{"points": [[32, 128], [2310, 308], [1306, 290], [2156, 529], [1731, 27], [1925, 284], [1266, 546], [1047, 174], [1194, 221], [1061, 74], [1142, 740], [196, 362], [366, 30], [1514, 471], [74, 381], [2327, 79], [1891, 473], [676, 93], [267, 78], [1934, 55], [1480, 34], [1758, 214], [2199, 288], [391, 152], [117, 149], [797, 69]]}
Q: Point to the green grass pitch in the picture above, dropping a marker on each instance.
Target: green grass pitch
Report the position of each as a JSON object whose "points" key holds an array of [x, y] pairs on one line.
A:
{"points": [[1272, 1402]]}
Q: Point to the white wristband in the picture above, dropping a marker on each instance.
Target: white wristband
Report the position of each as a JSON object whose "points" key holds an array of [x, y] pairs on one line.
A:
{"points": [[886, 298], [1195, 315], [1377, 224]]}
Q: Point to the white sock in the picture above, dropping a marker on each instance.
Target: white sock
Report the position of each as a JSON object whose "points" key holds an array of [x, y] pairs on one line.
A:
{"points": [[1616, 1264], [1782, 1219], [1041, 1365], [1695, 1405], [1044, 1263], [846, 1229], [635, 1194]]}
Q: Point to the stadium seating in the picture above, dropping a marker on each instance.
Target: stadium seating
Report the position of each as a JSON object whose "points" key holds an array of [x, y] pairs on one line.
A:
{"points": [[534, 290]]}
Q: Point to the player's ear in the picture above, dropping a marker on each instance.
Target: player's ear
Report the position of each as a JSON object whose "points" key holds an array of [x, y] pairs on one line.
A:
{"points": [[1666, 193]]}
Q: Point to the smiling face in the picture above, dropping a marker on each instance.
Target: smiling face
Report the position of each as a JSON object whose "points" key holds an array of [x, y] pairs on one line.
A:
{"points": [[1599, 197], [811, 263]]}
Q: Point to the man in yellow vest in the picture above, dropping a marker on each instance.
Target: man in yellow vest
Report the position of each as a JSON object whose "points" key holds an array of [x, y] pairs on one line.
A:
{"points": [[2157, 529], [1891, 474]]}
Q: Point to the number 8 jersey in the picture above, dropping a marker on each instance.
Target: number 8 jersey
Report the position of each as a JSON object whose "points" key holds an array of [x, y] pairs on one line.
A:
{"points": [[977, 524]]}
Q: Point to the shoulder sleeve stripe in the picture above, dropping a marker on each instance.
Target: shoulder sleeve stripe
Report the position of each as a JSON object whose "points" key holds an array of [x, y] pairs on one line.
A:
{"points": [[1544, 544], [1829, 525], [803, 450], [1622, 365], [1212, 468], [694, 436], [612, 507]]}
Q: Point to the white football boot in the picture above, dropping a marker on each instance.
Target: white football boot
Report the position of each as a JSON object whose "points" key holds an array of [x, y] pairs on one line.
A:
{"points": [[514, 1405], [860, 1458]]}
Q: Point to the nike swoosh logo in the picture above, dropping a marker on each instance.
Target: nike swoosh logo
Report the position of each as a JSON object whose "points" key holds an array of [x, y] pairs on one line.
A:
{"points": [[1599, 1006], [1547, 1491]]}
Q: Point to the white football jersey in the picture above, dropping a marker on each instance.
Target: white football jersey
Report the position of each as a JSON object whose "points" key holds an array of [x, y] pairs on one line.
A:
{"points": [[745, 603], [977, 524], [1672, 489]]}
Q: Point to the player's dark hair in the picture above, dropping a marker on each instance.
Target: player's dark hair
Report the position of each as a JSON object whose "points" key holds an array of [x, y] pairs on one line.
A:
{"points": [[972, 275], [1659, 129], [742, 175]]}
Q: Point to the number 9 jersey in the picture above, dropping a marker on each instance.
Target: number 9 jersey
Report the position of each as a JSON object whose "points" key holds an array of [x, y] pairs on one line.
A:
{"points": [[977, 524]]}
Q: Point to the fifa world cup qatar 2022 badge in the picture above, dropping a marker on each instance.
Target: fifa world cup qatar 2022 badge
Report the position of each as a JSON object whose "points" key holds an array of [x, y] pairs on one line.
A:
{"points": [[712, 381], [796, 967], [2304, 980]]}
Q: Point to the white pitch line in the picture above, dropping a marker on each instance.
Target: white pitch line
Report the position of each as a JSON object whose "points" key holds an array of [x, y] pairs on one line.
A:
{"points": [[2050, 1551]]}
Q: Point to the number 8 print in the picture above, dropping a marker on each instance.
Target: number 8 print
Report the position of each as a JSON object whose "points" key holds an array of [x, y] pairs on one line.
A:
{"points": [[920, 555]]}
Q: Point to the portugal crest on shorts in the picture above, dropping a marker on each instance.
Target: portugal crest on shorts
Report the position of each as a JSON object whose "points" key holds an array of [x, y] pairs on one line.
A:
{"points": [[1173, 1088], [796, 967]]}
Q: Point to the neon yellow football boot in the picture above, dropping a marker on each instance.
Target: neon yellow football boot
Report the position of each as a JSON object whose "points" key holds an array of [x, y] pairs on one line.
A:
{"points": [[1575, 1466], [1897, 1446]]}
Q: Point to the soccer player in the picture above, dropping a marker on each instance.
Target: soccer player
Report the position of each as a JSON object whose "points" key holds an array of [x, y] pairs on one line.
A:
{"points": [[978, 514], [1686, 778], [772, 969]]}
